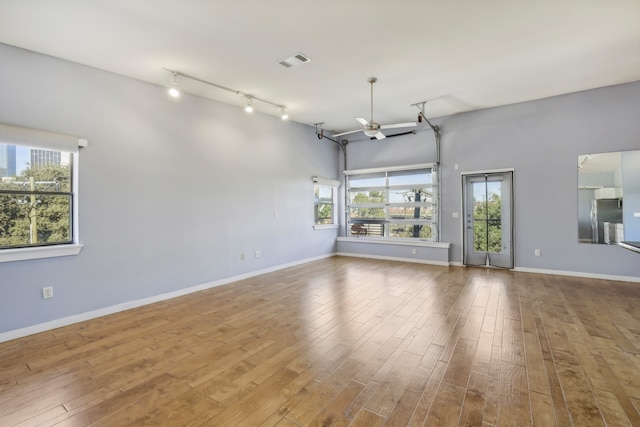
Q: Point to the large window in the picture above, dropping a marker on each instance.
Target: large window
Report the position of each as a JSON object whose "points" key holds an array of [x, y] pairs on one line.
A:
{"points": [[37, 193], [392, 203]]}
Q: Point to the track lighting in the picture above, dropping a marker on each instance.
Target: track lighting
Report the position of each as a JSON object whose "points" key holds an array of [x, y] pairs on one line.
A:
{"points": [[249, 107], [173, 90]]}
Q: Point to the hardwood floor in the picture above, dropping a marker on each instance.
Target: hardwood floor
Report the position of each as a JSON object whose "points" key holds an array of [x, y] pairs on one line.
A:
{"points": [[344, 342]]}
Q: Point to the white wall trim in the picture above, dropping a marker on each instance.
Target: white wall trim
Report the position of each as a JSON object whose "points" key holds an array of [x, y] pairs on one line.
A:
{"points": [[23, 254], [578, 274], [372, 240], [77, 318], [388, 169], [389, 258], [325, 226]]}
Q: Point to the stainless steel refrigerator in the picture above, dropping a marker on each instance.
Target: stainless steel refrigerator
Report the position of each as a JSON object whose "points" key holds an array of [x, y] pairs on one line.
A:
{"points": [[604, 210]]}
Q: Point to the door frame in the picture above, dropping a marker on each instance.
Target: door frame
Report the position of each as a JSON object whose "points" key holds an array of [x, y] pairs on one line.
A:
{"points": [[513, 209]]}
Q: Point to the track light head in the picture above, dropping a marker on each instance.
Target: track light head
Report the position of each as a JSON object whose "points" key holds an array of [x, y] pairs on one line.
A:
{"points": [[283, 113], [249, 107], [173, 90]]}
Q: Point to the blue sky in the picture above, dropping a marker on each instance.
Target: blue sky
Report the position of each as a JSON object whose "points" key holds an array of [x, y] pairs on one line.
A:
{"points": [[23, 156]]}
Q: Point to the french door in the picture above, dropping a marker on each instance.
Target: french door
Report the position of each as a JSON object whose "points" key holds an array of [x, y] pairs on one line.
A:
{"points": [[488, 219]]}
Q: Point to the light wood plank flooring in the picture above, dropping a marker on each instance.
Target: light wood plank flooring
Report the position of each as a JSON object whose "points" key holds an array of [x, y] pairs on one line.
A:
{"points": [[344, 342]]}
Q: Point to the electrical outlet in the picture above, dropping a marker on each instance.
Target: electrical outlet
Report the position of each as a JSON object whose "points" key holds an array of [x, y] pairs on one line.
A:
{"points": [[414, 251], [47, 292], [537, 252]]}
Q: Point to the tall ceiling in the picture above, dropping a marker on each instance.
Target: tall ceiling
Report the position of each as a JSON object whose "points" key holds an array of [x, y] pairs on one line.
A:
{"points": [[458, 55]]}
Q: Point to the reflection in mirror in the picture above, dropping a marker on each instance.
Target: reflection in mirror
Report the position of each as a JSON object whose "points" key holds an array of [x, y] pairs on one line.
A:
{"points": [[609, 197]]}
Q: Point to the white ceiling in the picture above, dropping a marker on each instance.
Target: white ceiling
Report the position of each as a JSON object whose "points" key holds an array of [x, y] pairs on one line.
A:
{"points": [[458, 55]]}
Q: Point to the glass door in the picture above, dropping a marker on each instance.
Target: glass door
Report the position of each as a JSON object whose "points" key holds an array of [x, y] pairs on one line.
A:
{"points": [[488, 222]]}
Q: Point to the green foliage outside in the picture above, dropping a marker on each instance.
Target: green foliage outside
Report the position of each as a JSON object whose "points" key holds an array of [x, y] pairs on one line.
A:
{"points": [[324, 214], [29, 217], [488, 217], [366, 198], [395, 230]]}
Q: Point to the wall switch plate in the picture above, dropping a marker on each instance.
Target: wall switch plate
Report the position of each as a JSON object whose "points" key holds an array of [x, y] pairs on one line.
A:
{"points": [[414, 251], [537, 252], [636, 214], [258, 254], [454, 215], [47, 292]]}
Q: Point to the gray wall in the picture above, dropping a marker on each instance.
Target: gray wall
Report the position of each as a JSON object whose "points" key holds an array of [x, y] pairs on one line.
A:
{"points": [[171, 191], [541, 140]]}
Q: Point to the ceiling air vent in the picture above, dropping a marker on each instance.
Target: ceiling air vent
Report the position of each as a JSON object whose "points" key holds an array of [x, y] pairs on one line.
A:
{"points": [[297, 59]]}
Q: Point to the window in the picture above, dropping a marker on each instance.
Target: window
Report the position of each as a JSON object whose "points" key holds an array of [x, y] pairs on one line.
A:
{"points": [[392, 203], [325, 197], [37, 194]]}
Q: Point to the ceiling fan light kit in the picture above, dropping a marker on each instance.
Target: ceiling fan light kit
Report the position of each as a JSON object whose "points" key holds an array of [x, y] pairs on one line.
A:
{"points": [[370, 127]]}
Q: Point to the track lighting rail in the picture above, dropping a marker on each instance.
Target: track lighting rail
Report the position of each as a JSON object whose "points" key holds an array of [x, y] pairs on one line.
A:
{"points": [[174, 73]]}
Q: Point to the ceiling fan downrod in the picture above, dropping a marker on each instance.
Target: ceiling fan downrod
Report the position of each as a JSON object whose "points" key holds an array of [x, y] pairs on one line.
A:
{"points": [[372, 80]]}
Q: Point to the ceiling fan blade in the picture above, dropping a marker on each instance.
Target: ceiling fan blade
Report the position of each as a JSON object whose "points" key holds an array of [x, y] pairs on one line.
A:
{"points": [[362, 121], [380, 136], [399, 125], [346, 133]]}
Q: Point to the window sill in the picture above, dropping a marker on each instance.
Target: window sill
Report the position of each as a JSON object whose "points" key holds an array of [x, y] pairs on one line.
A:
{"points": [[23, 254], [325, 226], [407, 242]]}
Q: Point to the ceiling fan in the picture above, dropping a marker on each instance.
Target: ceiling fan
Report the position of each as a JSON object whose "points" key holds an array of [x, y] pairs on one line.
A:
{"points": [[371, 128]]}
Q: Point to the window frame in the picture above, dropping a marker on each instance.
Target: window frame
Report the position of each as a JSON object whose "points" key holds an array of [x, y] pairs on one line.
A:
{"points": [[385, 223], [334, 185], [37, 139]]}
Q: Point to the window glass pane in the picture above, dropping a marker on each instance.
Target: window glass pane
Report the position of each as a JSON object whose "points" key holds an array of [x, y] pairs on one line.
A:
{"points": [[370, 213], [367, 180], [365, 197], [410, 195], [324, 194], [324, 213], [422, 231], [487, 212], [410, 178], [29, 219], [410, 212], [367, 229]]}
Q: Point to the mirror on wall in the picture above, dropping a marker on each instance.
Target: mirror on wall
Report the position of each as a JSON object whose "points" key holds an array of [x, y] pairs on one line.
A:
{"points": [[609, 197]]}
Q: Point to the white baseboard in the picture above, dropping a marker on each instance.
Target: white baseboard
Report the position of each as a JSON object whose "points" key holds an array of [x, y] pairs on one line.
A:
{"points": [[77, 318], [578, 274], [389, 258], [65, 321]]}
